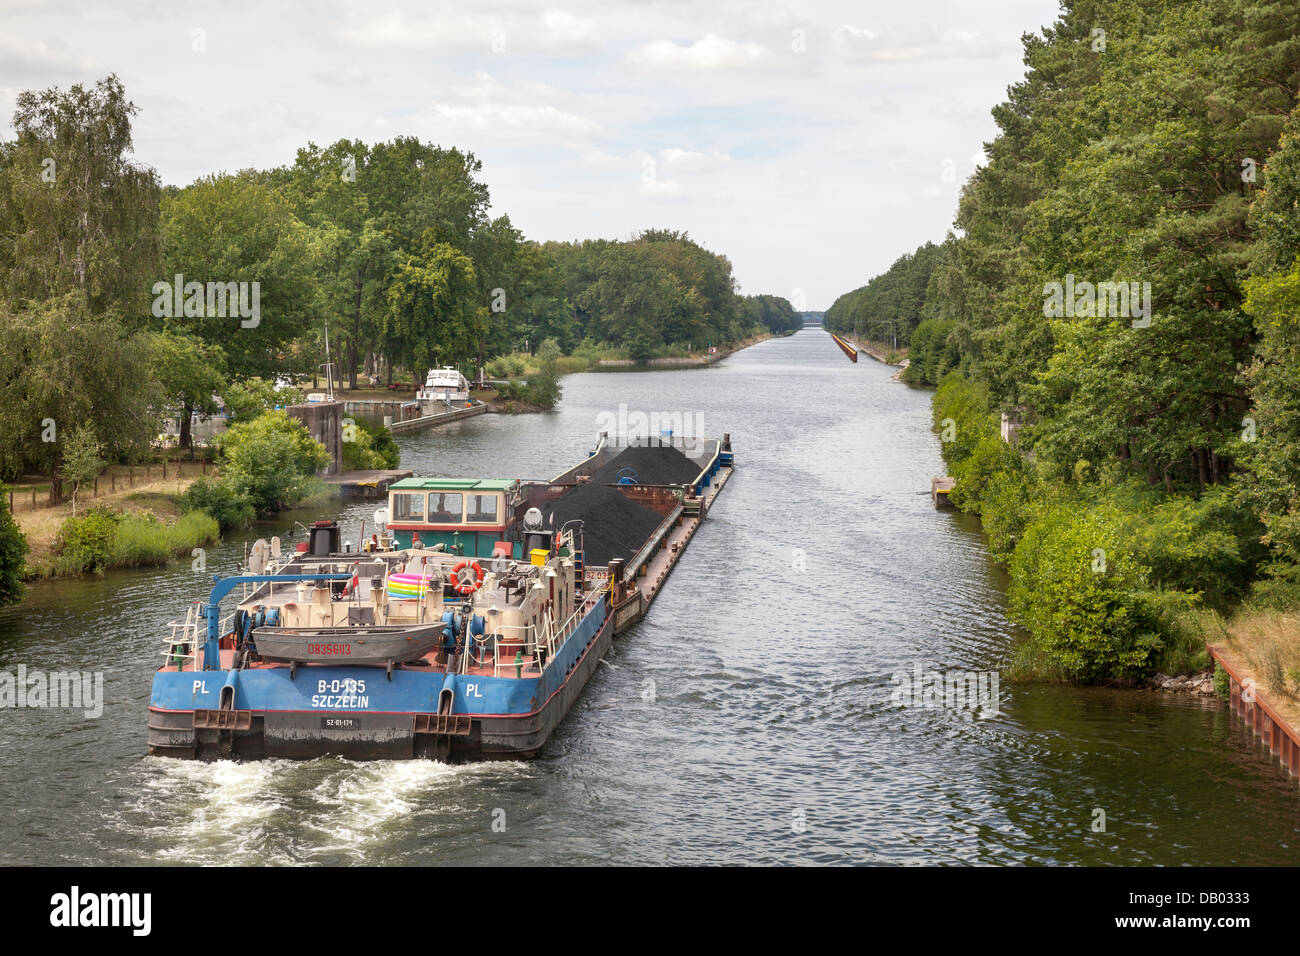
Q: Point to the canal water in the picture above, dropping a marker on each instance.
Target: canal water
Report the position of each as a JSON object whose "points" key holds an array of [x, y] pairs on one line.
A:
{"points": [[751, 718]]}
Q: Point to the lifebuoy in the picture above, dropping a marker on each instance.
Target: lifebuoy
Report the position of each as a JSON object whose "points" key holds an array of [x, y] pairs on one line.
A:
{"points": [[476, 581]]}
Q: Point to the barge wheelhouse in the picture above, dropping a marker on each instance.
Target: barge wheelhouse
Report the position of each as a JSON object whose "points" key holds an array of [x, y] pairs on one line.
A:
{"points": [[470, 517]]}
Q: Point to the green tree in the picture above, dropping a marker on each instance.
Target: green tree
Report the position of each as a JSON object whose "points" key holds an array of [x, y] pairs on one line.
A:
{"points": [[62, 366], [77, 213], [81, 461], [1083, 596], [544, 388], [191, 374], [248, 399], [233, 229], [434, 314], [271, 461]]}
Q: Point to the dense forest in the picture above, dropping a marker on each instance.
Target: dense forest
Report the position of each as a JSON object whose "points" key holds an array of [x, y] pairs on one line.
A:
{"points": [[1123, 282], [122, 299], [889, 307]]}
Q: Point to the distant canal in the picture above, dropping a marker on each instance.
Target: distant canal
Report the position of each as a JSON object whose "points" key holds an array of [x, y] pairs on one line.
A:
{"points": [[747, 720]]}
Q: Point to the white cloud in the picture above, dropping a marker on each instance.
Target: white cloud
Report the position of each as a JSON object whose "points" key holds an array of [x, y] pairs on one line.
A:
{"points": [[711, 53], [813, 170], [26, 56], [486, 105], [921, 42], [450, 28], [684, 160], [510, 117]]}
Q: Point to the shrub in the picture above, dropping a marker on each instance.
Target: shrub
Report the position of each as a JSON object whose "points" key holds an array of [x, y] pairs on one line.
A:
{"points": [[220, 500], [961, 417], [509, 367], [193, 530], [1222, 683], [544, 387], [1082, 596], [144, 540], [1207, 546], [998, 483], [1278, 586], [13, 553], [87, 543], [369, 446], [140, 540], [271, 461], [250, 398]]}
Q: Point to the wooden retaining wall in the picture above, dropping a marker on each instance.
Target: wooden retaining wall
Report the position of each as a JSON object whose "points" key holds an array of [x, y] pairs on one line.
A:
{"points": [[1268, 725]]}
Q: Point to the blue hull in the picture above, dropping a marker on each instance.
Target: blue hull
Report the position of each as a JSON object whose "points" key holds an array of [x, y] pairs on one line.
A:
{"points": [[360, 712]]}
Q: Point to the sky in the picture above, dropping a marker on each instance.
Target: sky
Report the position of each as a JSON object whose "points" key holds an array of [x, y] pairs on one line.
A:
{"points": [[812, 143]]}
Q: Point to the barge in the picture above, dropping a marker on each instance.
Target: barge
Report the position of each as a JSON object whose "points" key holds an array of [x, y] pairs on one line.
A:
{"points": [[464, 629]]}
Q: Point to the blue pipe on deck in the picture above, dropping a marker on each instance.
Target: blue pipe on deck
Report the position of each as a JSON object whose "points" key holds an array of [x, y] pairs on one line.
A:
{"points": [[223, 586], [231, 680]]}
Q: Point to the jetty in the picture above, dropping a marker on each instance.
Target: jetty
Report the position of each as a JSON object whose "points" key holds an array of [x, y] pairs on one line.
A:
{"points": [[421, 422], [354, 485], [403, 417]]}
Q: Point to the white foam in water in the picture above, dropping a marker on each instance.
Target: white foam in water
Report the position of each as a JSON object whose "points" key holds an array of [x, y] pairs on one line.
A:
{"points": [[365, 803], [211, 813], [289, 812]]}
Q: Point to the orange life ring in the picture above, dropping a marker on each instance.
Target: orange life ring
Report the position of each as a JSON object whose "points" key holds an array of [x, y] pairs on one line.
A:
{"points": [[467, 587]]}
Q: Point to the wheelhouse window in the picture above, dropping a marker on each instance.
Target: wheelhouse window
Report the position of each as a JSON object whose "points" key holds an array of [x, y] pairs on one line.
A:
{"points": [[408, 506], [482, 508], [445, 508]]}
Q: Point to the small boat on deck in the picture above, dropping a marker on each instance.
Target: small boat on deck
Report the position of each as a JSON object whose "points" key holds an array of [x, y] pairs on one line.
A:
{"points": [[347, 645]]}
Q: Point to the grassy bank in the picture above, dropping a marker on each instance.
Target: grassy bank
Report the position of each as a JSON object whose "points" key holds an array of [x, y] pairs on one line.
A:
{"points": [[589, 358], [43, 526]]}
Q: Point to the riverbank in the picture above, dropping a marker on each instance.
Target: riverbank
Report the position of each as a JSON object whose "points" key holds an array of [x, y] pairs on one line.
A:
{"points": [[1261, 690], [672, 363], [1114, 580], [160, 497]]}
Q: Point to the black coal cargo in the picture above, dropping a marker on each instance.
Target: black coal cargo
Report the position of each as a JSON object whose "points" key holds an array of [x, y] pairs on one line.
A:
{"points": [[613, 526], [651, 465]]}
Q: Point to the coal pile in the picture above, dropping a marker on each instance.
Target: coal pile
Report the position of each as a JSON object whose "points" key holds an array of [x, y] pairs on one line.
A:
{"points": [[613, 526], [652, 466]]}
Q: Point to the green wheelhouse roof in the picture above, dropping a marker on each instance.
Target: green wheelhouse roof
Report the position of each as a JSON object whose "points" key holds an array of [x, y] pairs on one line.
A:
{"points": [[454, 484]]}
